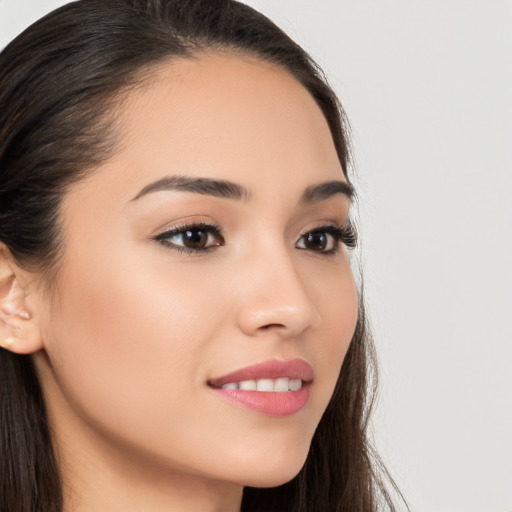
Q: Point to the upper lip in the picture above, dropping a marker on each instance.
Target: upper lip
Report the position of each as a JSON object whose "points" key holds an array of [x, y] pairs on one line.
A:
{"points": [[272, 369]]}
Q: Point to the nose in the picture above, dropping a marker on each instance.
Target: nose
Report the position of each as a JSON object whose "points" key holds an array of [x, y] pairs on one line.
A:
{"points": [[274, 299]]}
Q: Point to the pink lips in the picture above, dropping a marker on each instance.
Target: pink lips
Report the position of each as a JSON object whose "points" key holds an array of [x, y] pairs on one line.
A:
{"points": [[268, 403]]}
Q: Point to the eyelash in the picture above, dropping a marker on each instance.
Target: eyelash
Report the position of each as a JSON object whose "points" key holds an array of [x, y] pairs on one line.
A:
{"points": [[339, 234]]}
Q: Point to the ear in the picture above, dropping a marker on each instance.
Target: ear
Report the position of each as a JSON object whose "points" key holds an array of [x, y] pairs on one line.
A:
{"points": [[19, 331]]}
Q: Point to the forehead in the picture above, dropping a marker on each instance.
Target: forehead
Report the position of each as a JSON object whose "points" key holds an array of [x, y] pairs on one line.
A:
{"points": [[226, 102], [223, 116]]}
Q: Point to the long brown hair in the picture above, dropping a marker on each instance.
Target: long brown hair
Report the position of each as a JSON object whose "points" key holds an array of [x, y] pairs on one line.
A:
{"points": [[60, 84]]}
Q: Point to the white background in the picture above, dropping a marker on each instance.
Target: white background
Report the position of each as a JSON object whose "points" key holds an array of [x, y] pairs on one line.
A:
{"points": [[428, 89]]}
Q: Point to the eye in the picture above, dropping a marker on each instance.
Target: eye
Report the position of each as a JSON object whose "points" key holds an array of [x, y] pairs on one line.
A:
{"points": [[326, 239], [191, 238]]}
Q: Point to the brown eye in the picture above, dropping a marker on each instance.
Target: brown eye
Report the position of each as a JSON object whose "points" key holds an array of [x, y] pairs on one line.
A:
{"points": [[192, 238], [316, 241], [323, 240]]}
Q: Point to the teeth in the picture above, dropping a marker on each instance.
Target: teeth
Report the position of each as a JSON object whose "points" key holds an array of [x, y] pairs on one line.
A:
{"points": [[265, 385], [280, 385], [248, 385], [230, 385], [295, 384]]}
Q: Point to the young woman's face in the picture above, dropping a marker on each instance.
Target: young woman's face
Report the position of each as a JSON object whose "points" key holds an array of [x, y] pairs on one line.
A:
{"points": [[200, 249]]}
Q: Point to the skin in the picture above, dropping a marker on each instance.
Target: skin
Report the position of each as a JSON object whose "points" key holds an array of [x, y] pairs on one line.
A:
{"points": [[138, 328]]}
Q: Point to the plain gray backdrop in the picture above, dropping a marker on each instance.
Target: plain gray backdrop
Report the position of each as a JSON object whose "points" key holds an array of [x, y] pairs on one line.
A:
{"points": [[427, 86]]}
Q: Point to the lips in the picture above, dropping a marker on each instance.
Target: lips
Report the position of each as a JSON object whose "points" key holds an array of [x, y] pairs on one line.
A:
{"points": [[273, 369], [272, 388]]}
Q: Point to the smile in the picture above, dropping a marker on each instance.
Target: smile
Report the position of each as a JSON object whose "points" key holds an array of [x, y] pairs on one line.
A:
{"points": [[273, 388], [280, 385]]}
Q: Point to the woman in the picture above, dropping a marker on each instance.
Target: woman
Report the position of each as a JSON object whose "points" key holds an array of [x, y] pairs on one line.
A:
{"points": [[179, 323]]}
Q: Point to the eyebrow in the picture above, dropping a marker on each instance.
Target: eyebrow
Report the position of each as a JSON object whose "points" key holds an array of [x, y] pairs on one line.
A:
{"points": [[229, 190], [205, 186], [323, 191]]}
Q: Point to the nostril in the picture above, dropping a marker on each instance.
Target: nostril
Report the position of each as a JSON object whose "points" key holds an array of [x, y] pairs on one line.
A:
{"points": [[271, 326]]}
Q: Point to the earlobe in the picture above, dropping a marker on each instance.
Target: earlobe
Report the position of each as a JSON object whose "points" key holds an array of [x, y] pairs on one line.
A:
{"points": [[19, 331]]}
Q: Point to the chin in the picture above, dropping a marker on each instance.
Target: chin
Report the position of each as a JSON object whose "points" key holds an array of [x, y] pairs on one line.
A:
{"points": [[274, 472], [272, 479], [271, 482]]}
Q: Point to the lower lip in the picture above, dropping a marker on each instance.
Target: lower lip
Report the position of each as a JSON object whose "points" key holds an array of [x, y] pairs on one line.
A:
{"points": [[267, 403]]}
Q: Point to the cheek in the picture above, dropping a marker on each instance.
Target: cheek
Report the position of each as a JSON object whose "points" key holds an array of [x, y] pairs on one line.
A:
{"points": [[127, 338], [341, 306], [337, 302]]}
